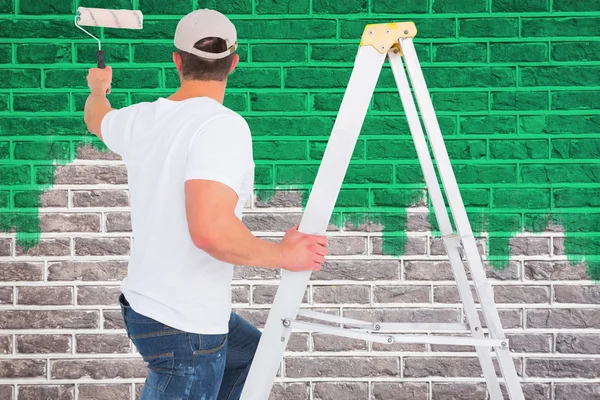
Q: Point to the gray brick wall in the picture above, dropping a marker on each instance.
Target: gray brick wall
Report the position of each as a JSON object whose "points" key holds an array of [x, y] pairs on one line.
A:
{"points": [[61, 333]]}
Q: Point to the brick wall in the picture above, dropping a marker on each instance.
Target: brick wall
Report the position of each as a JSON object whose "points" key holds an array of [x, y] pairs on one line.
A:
{"points": [[516, 84]]}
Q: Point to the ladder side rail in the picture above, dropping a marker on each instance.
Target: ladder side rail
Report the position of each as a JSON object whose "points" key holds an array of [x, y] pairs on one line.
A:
{"points": [[459, 214], [443, 219], [315, 219]]}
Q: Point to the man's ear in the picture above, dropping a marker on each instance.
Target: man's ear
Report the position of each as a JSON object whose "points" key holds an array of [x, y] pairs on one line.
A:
{"points": [[236, 60], [177, 61]]}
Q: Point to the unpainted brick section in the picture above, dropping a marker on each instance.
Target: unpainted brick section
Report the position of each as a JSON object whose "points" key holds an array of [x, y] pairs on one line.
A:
{"points": [[100, 198], [574, 343], [563, 318], [459, 391], [563, 368], [43, 344], [49, 319], [401, 294], [290, 391], [21, 271], [6, 391], [336, 343], [21, 368], [565, 391], [98, 295], [6, 295], [359, 270], [6, 344], [118, 222], [340, 294], [113, 319], [34, 392], [531, 343], [87, 270], [102, 344], [117, 246], [553, 270], [336, 390], [104, 392], [577, 294], [98, 368], [45, 296], [417, 367], [266, 294], [399, 347], [240, 294], [57, 247], [298, 342], [351, 367], [400, 391]]}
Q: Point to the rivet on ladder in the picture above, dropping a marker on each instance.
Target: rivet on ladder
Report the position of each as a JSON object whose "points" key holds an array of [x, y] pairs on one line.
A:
{"points": [[377, 327], [390, 340], [370, 32], [406, 32], [282, 339], [503, 344], [382, 47], [286, 323], [387, 32]]}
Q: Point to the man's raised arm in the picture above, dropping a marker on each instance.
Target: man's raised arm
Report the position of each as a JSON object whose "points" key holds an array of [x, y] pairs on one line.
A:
{"points": [[97, 105]]}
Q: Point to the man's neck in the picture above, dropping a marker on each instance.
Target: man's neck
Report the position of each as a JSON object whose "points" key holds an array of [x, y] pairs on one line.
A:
{"points": [[190, 89]]}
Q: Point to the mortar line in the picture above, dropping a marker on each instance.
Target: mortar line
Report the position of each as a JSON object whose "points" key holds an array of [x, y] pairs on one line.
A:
{"points": [[11, 104], [406, 282]]}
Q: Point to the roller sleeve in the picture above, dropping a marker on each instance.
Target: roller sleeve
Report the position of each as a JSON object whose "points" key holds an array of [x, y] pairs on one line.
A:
{"points": [[124, 19]]}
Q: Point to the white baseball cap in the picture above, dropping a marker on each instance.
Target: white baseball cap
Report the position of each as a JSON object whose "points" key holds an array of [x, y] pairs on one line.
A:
{"points": [[201, 24]]}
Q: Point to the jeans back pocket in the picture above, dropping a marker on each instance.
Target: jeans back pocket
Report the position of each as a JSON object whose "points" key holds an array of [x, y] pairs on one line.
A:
{"points": [[207, 344]]}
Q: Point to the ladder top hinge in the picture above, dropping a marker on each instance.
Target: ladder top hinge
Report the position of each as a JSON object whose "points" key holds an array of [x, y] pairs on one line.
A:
{"points": [[385, 36]]}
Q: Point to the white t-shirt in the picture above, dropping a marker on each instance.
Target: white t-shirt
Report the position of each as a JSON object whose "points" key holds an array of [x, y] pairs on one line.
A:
{"points": [[163, 144]]}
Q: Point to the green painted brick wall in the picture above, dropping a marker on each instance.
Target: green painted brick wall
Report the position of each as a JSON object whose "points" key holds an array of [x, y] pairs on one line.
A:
{"points": [[516, 86]]}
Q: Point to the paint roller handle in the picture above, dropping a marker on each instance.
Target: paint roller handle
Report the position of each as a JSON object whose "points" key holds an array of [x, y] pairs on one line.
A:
{"points": [[100, 54]]}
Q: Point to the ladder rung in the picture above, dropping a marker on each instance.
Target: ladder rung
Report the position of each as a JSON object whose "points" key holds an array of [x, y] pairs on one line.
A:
{"points": [[386, 326], [332, 318], [423, 327], [391, 339]]}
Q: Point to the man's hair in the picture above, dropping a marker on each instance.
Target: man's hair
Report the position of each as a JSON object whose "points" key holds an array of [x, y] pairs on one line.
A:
{"points": [[202, 69]]}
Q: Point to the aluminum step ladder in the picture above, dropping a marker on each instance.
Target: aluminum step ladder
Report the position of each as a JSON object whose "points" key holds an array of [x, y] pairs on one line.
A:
{"points": [[393, 41]]}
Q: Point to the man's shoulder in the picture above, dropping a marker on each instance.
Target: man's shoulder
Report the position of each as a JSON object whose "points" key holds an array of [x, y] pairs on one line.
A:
{"points": [[224, 111], [224, 116], [134, 108]]}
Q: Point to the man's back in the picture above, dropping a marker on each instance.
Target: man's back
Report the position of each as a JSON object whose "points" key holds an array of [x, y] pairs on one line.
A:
{"points": [[190, 167], [163, 144]]}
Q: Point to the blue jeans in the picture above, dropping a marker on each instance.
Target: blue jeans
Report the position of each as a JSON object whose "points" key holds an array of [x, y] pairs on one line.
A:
{"points": [[189, 366]]}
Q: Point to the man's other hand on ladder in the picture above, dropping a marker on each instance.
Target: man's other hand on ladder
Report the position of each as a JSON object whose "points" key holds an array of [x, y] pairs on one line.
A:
{"points": [[303, 252]]}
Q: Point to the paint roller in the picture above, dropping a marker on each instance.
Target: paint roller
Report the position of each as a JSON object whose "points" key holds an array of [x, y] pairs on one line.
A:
{"points": [[120, 19]]}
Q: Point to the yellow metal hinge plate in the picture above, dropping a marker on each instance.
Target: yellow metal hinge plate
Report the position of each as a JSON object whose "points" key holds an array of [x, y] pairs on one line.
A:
{"points": [[385, 36]]}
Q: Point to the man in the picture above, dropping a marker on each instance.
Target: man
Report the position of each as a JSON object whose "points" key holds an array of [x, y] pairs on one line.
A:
{"points": [[190, 168]]}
